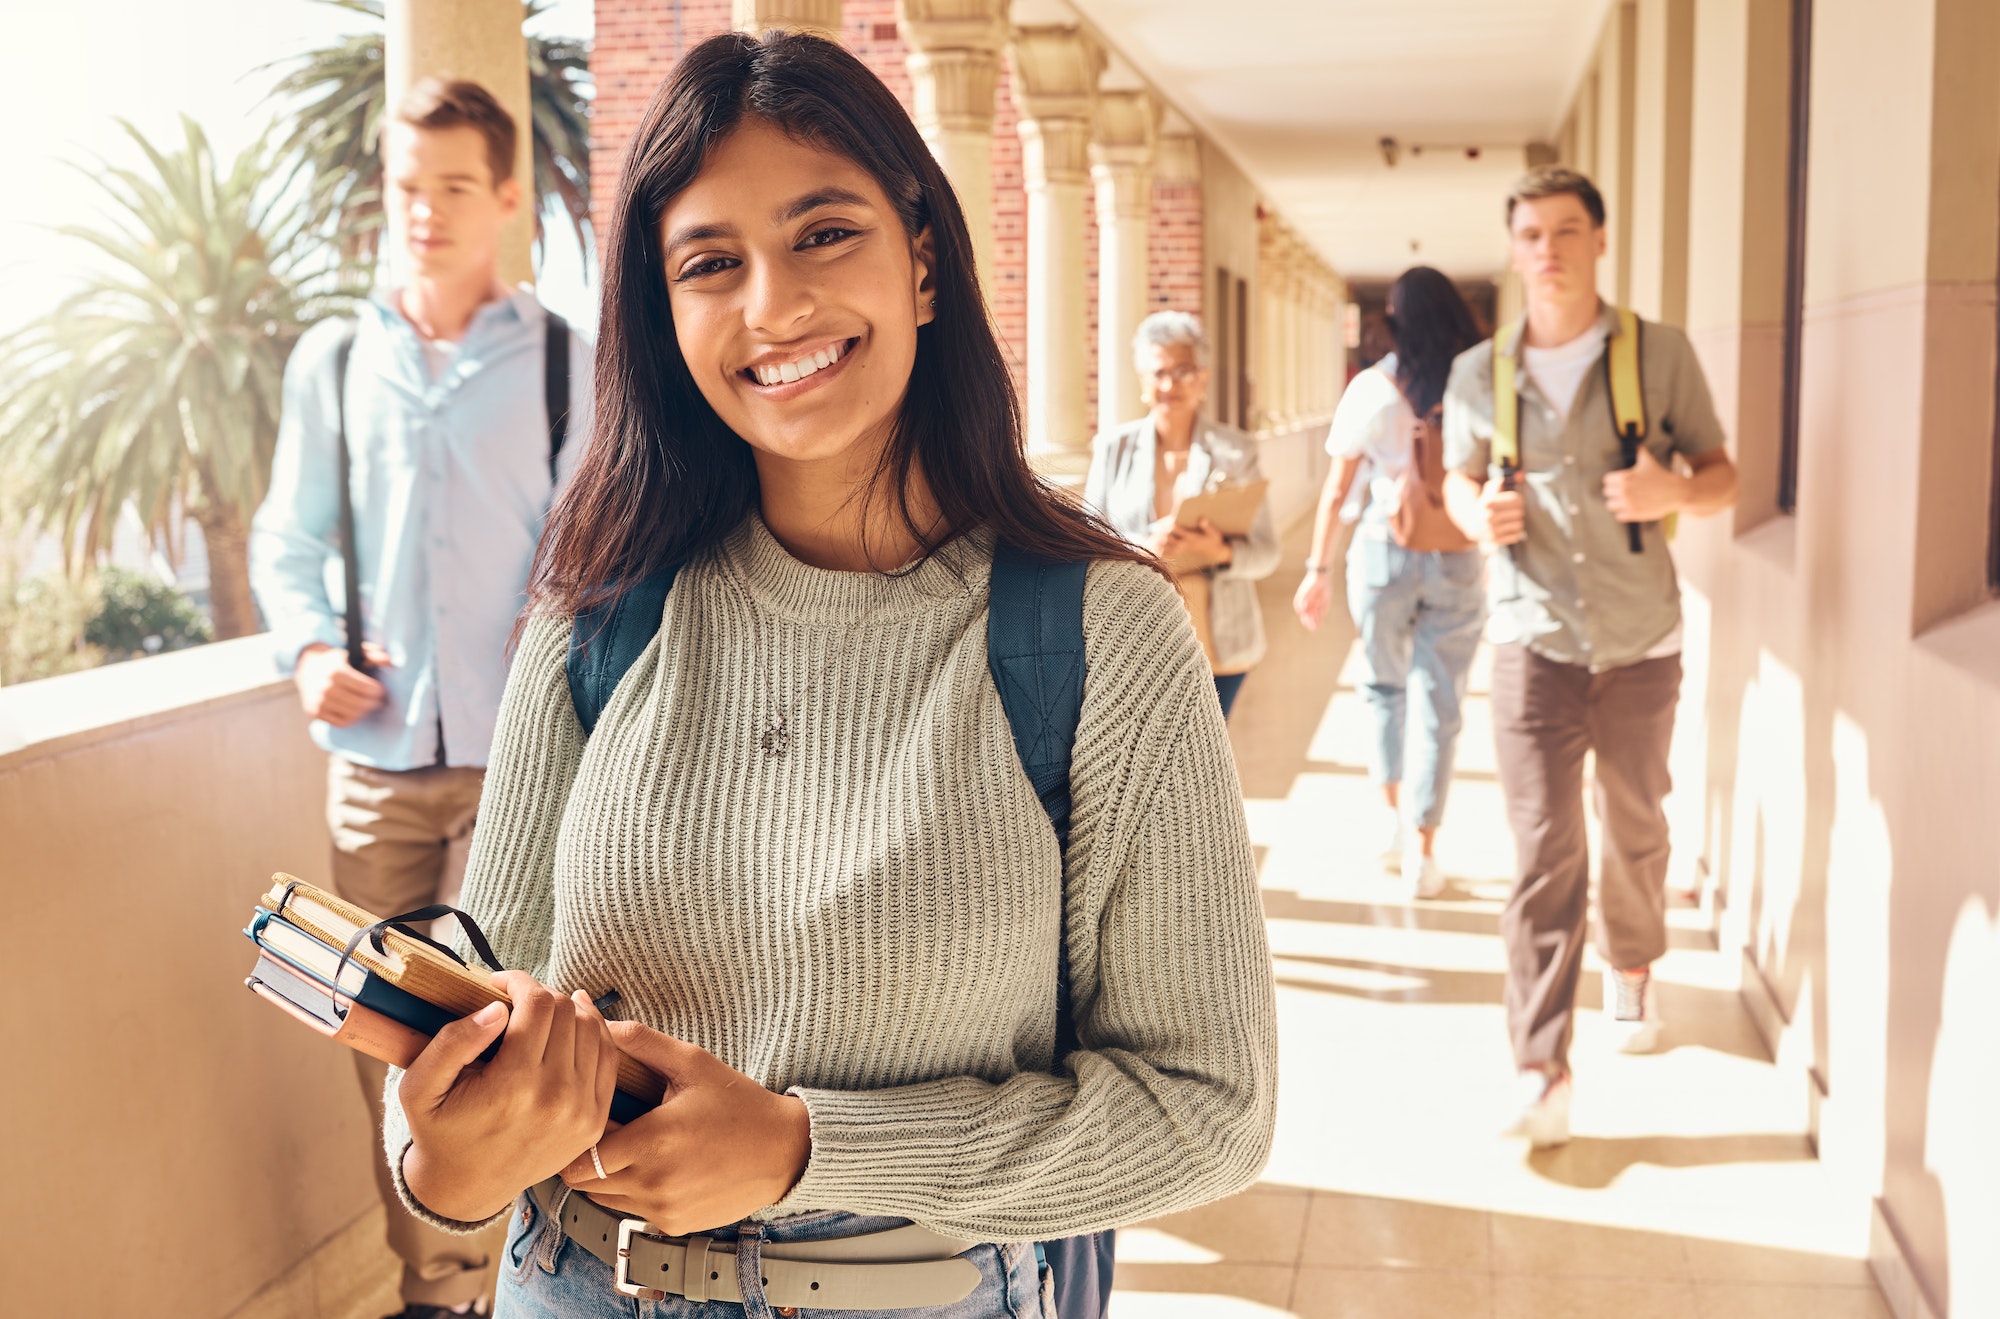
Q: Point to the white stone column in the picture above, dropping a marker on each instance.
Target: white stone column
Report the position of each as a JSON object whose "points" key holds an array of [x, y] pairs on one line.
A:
{"points": [[954, 63], [759, 16], [1264, 347], [480, 41], [1056, 69], [1121, 167]]}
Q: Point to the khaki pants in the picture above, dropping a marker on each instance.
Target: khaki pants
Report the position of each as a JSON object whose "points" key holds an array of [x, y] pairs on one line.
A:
{"points": [[399, 843], [1546, 717]]}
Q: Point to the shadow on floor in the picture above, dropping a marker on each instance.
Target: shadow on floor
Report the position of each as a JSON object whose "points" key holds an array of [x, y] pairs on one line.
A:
{"points": [[1593, 1163], [1286, 904]]}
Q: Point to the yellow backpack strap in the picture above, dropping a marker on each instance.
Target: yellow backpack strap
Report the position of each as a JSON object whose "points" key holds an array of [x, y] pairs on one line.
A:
{"points": [[1628, 397], [1506, 402], [1628, 400]]}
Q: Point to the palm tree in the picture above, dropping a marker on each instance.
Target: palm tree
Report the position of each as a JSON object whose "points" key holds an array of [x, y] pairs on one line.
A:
{"points": [[338, 100], [157, 383]]}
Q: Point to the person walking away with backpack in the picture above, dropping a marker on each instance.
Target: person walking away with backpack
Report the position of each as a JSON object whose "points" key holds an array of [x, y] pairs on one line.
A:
{"points": [[1140, 472], [1571, 438], [419, 448], [1415, 583], [931, 969]]}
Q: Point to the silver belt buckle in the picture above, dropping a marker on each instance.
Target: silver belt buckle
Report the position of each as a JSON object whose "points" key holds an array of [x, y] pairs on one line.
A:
{"points": [[620, 1279]]}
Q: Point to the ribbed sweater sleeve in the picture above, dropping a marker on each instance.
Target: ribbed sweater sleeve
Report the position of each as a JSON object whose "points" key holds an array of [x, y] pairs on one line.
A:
{"points": [[537, 745], [1171, 1099]]}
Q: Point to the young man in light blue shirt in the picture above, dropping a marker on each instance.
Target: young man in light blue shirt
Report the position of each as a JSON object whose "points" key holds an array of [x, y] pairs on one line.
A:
{"points": [[453, 465]]}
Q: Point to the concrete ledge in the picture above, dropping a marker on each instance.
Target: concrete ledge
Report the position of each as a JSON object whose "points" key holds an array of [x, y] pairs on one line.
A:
{"points": [[60, 714], [1900, 1285]]}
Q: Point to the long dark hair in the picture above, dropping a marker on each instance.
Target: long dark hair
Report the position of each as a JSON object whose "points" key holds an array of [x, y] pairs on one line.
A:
{"points": [[1431, 325], [664, 477]]}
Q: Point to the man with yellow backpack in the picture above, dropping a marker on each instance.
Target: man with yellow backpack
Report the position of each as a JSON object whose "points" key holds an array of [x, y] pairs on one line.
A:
{"points": [[1572, 439]]}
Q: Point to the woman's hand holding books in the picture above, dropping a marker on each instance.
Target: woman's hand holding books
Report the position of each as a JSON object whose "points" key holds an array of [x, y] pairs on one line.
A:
{"points": [[482, 1131], [718, 1148]]}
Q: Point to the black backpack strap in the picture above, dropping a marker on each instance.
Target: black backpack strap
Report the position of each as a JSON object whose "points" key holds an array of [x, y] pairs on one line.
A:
{"points": [[606, 638], [350, 556], [1034, 650], [555, 387]]}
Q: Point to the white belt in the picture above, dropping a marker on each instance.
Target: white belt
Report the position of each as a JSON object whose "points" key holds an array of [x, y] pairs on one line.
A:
{"points": [[902, 1268]]}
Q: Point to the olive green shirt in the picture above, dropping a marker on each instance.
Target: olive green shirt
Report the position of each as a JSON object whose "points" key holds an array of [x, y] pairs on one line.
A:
{"points": [[1573, 590]]}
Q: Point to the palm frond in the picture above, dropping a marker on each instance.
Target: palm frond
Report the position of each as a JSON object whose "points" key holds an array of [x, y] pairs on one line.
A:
{"points": [[156, 383]]}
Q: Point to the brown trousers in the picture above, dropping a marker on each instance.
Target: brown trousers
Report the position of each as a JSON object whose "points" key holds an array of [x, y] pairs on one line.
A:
{"points": [[1546, 717], [399, 843]]}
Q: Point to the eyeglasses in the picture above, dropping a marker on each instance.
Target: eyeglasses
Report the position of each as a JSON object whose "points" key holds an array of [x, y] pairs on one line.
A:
{"points": [[1179, 375]]}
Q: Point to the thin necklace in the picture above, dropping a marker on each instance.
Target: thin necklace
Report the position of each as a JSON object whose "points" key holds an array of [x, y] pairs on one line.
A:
{"points": [[774, 734]]}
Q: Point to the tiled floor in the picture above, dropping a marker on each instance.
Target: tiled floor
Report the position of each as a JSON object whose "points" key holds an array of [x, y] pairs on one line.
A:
{"points": [[1688, 1192]]}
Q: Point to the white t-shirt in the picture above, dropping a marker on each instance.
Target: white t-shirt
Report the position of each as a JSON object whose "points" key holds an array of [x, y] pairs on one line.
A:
{"points": [[438, 354], [1558, 372], [1373, 423]]}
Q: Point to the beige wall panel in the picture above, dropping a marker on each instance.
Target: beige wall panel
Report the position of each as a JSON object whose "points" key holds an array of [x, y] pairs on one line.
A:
{"points": [[1616, 55], [1870, 162], [1229, 238], [1716, 175], [1965, 145], [217, 1140], [1663, 73], [1955, 493]]}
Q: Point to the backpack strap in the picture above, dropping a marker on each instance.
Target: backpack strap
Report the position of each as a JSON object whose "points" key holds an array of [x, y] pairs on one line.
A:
{"points": [[607, 637], [555, 387], [350, 554], [1034, 650], [1628, 401], [1506, 402]]}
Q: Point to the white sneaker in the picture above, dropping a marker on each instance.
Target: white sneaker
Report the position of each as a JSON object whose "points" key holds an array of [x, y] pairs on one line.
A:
{"points": [[1541, 1109], [1635, 1009], [1421, 872], [1393, 836]]}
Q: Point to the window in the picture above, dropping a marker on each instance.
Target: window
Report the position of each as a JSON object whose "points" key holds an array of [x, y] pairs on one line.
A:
{"points": [[1795, 255]]}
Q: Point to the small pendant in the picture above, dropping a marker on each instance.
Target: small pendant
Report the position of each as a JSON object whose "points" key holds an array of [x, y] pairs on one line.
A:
{"points": [[776, 739]]}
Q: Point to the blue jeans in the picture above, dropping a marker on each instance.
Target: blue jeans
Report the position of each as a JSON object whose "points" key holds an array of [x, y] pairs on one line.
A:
{"points": [[544, 1275], [1420, 616]]}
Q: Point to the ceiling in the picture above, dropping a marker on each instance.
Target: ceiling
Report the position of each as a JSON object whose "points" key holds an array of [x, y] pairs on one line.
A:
{"points": [[1301, 92]]}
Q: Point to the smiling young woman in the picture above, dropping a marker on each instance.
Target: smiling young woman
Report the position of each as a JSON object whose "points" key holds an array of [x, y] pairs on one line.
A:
{"points": [[842, 941]]}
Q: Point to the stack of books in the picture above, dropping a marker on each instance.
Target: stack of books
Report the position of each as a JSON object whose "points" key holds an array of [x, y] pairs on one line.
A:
{"points": [[386, 1002]]}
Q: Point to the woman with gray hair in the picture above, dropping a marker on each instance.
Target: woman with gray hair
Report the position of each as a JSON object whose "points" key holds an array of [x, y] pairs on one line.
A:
{"points": [[1140, 473]]}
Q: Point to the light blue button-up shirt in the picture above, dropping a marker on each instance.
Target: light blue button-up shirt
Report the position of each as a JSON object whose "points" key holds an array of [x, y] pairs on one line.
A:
{"points": [[451, 486]]}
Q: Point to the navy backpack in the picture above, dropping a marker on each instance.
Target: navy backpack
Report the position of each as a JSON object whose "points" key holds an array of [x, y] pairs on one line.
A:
{"points": [[1034, 650]]}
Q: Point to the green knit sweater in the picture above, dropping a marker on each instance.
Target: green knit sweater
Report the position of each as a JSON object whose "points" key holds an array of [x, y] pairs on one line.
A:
{"points": [[870, 921]]}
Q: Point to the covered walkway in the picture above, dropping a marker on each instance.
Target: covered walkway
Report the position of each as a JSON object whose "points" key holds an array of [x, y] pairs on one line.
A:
{"points": [[1690, 1188]]}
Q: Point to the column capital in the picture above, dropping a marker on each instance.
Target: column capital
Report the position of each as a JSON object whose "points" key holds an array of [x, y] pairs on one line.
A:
{"points": [[1127, 126], [938, 25], [756, 16], [1177, 158], [1056, 68]]}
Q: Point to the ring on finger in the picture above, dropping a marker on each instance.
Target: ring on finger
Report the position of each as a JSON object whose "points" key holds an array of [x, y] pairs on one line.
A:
{"points": [[598, 1164]]}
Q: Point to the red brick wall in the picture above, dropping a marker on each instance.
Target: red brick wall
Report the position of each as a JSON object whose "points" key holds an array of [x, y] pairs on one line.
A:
{"points": [[634, 51], [1174, 275], [1010, 228]]}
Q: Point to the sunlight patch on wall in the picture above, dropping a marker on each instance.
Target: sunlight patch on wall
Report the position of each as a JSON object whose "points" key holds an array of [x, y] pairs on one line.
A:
{"points": [[1962, 1147]]}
